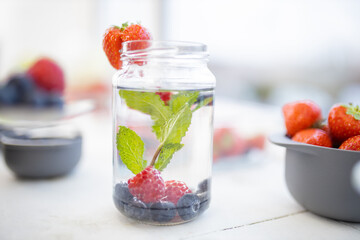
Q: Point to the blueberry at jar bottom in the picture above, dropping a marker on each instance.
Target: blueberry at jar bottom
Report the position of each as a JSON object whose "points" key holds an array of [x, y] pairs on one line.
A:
{"points": [[163, 212]]}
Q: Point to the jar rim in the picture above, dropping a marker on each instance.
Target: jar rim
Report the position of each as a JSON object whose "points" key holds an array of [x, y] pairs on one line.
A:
{"points": [[163, 49]]}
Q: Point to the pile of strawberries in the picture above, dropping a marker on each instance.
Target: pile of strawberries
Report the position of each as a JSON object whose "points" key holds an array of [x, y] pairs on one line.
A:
{"points": [[304, 123]]}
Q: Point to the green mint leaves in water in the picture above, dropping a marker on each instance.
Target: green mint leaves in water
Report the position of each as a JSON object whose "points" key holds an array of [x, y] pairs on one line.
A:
{"points": [[170, 124], [131, 149]]}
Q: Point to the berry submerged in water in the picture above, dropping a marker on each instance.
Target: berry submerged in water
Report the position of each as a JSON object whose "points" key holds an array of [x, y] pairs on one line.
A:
{"points": [[148, 185], [204, 185], [175, 190], [188, 206], [162, 211], [122, 192], [136, 209]]}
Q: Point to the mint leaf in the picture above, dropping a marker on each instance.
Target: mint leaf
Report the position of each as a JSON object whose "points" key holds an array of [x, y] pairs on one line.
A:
{"points": [[175, 128], [131, 149], [166, 153], [170, 122], [179, 100], [203, 102], [177, 125], [148, 103]]}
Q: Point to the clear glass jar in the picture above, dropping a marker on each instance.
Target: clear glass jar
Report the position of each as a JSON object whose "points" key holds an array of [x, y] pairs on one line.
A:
{"points": [[162, 131]]}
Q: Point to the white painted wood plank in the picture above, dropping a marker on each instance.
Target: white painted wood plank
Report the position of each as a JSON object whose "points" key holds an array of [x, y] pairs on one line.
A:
{"points": [[296, 227]]}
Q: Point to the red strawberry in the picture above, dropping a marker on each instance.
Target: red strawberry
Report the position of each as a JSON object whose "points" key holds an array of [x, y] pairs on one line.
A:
{"points": [[165, 96], [135, 32], [326, 128], [344, 122], [313, 136], [228, 143], [47, 75], [112, 44], [352, 143], [148, 185], [300, 115], [175, 190], [115, 36]]}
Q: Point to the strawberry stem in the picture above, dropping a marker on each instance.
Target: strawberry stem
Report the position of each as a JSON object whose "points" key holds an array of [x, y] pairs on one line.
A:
{"points": [[353, 110], [124, 25]]}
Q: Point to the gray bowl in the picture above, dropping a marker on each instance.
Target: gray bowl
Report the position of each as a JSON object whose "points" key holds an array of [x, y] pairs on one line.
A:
{"points": [[322, 179], [41, 157]]}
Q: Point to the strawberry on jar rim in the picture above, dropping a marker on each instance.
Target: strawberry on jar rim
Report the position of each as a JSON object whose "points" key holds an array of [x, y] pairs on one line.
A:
{"points": [[344, 121], [300, 115], [115, 36], [112, 44]]}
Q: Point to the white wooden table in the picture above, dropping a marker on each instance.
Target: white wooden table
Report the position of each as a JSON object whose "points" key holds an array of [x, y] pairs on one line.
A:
{"points": [[249, 200]]}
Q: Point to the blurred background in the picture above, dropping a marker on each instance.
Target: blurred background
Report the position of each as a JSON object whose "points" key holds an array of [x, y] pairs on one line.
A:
{"points": [[261, 51]]}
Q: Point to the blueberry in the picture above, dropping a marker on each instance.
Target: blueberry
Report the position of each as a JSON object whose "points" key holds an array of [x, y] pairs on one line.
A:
{"points": [[37, 98], [188, 206], [204, 205], [122, 196], [54, 100], [119, 204], [136, 209], [162, 211], [24, 86], [8, 95], [122, 192], [203, 196], [204, 186]]}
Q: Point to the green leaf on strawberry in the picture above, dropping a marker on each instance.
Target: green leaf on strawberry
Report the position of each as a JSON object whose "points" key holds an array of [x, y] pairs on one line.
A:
{"points": [[353, 111], [131, 149]]}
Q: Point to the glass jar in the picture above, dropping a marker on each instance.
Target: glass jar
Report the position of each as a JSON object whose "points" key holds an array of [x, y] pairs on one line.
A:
{"points": [[162, 131]]}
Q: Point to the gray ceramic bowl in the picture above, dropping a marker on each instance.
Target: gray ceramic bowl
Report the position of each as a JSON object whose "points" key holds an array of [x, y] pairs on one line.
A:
{"points": [[322, 180], [41, 157]]}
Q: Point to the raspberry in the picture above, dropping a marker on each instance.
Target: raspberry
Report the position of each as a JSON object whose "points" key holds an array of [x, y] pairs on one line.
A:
{"points": [[47, 75], [165, 96], [175, 190], [148, 185]]}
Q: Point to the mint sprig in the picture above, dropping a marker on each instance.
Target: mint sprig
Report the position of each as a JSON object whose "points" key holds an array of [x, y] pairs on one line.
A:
{"points": [[170, 124], [176, 125], [203, 102], [131, 149], [166, 153], [148, 103]]}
